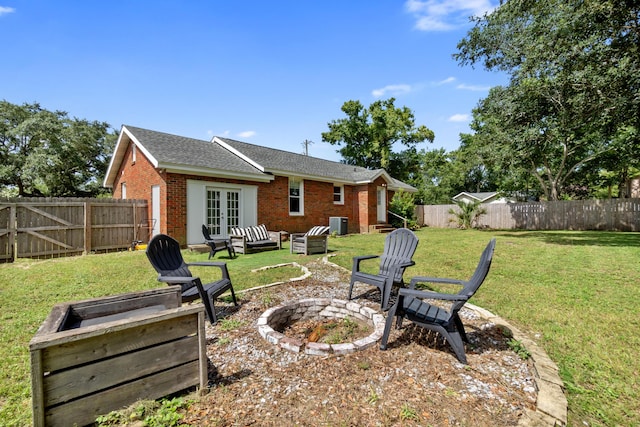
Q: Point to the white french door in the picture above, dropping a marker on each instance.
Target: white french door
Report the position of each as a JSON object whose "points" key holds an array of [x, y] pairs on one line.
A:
{"points": [[223, 210], [382, 205]]}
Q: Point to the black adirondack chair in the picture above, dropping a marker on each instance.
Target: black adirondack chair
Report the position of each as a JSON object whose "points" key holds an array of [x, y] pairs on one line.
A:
{"points": [[216, 245], [399, 247], [412, 305], [165, 256]]}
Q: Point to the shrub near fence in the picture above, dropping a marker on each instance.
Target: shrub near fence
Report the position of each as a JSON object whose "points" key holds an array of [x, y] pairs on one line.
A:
{"points": [[52, 227], [606, 215]]}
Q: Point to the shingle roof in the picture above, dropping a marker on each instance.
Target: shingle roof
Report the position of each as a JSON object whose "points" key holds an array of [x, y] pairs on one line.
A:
{"points": [[279, 160], [176, 150], [188, 154]]}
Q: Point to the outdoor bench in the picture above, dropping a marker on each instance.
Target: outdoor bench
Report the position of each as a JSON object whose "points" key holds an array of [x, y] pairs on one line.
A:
{"points": [[254, 239]]}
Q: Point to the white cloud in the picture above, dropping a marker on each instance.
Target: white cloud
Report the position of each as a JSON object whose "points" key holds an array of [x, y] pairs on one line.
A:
{"points": [[473, 87], [4, 10], [459, 118], [446, 81], [247, 134], [392, 90], [444, 15]]}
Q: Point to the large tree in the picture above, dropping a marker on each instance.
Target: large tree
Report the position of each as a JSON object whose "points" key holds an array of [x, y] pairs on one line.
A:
{"points": [[573, 100], [47, 153], [368, 134]]}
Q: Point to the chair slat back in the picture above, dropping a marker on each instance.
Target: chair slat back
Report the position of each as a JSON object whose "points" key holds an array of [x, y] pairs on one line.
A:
{"points": [[205, 232], [481, 272], [399, 247], [164, 254]]}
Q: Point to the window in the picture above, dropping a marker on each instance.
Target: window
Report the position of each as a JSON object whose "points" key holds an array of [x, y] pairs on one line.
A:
{"points": [[338, 194], [123, 190], [133, 154], [296, 199]]}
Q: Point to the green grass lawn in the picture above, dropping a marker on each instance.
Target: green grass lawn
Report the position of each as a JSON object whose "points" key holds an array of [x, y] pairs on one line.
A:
{"points": [[575, 293]]}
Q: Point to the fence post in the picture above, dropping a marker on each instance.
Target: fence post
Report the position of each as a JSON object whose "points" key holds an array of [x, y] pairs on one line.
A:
{"points": [[13, 221], [87, 228]]}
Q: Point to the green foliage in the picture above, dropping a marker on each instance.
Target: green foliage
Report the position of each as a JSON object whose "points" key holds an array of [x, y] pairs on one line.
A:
{"points": [[46, 153], [408, 413], [368, 134], [373, 396], [403, 204], [468, 214], [167, 415], [519, 349], [163, 413], [228, 324], [572, 106]]}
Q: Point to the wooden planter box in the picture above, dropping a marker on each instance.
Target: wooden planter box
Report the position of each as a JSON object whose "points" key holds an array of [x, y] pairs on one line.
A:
{"points": [[92, 357]]}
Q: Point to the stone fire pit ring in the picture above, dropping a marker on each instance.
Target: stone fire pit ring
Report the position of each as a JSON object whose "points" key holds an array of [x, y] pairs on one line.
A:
{"points": [[277, 318]]}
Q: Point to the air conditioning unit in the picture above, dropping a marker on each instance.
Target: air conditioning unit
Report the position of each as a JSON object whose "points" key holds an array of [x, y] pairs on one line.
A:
{"points": [[339, 225]]}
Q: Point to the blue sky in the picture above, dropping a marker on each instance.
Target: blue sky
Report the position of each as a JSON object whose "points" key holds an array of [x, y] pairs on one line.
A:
{"points": [[271, 73]]}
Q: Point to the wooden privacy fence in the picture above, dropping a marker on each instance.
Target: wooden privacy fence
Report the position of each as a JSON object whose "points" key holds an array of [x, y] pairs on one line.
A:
{"points": [[609, 215], [42, 228]]}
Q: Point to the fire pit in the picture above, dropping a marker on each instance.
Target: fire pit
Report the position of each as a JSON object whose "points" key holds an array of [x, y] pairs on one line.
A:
{"points": [[274, 322]]}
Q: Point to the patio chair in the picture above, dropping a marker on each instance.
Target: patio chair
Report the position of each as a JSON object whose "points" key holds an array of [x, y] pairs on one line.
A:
{"points": [[412, 304], [165, 256], [217, 245], [399, 247], [313, 241]]}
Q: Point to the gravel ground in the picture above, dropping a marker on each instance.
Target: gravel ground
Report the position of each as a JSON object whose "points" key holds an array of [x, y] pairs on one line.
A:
{"points": [[417, 381]]}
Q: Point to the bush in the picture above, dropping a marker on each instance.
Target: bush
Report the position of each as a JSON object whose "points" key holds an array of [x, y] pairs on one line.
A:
{"points": [[403, 204], [468, 215]]}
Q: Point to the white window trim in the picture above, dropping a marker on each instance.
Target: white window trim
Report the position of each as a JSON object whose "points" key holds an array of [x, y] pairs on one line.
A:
{"points": [[341, 201], [301, 196], [123, 190]]}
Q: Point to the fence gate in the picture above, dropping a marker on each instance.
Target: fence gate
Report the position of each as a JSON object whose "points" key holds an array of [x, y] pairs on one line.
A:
{"points": [[6, 234], [44, 228], [50, 229]]}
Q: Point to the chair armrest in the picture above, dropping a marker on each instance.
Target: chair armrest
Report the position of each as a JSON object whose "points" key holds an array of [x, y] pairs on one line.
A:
{"points": [[423, 279], [207, 264], [357, 259], [431, 295], [176, 279], [276, 236], [220, 264], [318, 237]]}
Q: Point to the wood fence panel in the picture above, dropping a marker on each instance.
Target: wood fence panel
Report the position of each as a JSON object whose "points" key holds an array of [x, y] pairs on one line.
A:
{"points": [[610, 215], [113, 226], [49, 228], [6, 233], [37, 227]]}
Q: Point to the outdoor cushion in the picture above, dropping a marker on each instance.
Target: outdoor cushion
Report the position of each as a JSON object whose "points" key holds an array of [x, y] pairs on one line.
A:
{"points": [[318, 230]]}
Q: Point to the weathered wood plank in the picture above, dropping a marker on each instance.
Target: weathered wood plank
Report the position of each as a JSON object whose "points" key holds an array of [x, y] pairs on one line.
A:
{"points": [[102, 341], [85, 410], [67, 385]]}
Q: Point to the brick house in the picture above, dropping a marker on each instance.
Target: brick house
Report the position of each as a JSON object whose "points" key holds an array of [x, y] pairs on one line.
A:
{"points": [[223, 183]]}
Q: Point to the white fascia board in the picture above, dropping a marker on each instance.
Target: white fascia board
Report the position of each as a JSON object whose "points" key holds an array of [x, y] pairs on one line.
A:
{"points": [[464, 193], [144, 151], [173, 168], [311, 177], [118, 155], [238, 153]]}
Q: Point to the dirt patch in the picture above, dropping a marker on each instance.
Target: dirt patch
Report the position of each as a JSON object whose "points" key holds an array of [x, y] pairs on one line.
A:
{"points": [[416, 382], [328, 331]]}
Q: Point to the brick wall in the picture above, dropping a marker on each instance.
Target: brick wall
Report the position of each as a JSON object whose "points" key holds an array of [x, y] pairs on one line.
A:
{"points": [[139, 177], [273, 199]]}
